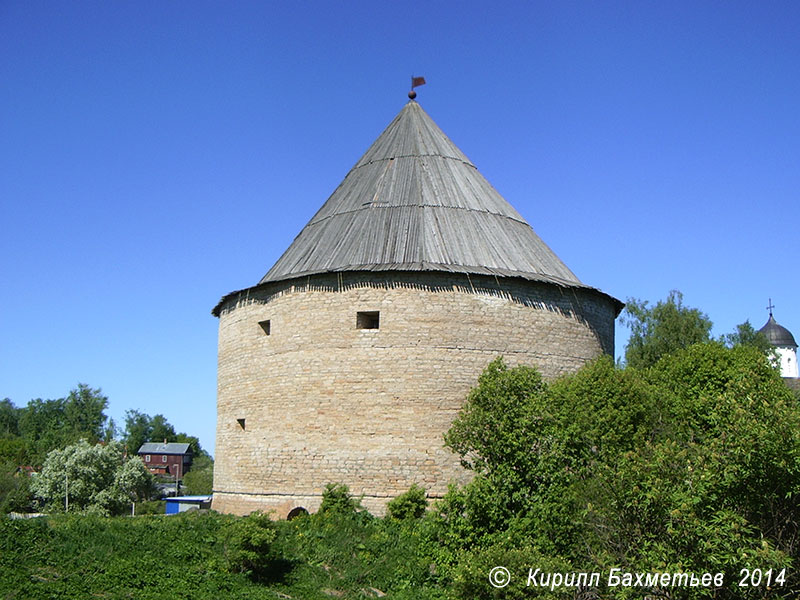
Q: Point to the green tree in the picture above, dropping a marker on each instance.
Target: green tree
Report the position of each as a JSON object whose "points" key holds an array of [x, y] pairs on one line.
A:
{"points": [[46, 425], [15, 495], [691, 465], [662, 329], [747, 335], [718, 484], [161, 429], [14, 484], [13, 451], [94, 478], [137, 430], [84, 412], [533, 445], [42, 425], [194, 445], [200, 478], [9, 419], [141, 428], [485, 434]]}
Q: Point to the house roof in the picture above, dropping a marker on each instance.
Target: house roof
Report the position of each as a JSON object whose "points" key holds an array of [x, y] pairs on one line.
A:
{"points": [[777, 335], [162, 448], [415, 202], [201, 498]]}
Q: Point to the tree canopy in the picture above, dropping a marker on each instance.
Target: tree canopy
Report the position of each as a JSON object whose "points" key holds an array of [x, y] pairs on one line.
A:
{"points": [[747, 335], [48, 424], [662, 329], [690, 465], [141, 428], [95, 478], [30, 433]]}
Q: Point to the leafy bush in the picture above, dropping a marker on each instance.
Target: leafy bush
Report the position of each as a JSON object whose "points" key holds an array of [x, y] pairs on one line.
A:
{"points": [[199, 480], [336, 498], [357, 556], [248, 546], [151, 507], [410, 505], [15, 494], [75, 557], [471, 580], [692, 464], [91, 478], [207, 556]]}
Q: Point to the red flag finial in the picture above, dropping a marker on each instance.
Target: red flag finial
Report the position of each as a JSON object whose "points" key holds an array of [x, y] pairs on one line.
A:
{"points": [[415, 81]]}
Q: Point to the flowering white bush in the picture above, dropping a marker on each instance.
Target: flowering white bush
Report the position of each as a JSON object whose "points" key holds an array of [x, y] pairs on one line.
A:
{"points": [[82, 477]]}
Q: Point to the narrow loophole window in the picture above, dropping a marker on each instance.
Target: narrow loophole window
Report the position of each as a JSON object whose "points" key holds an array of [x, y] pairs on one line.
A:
{"points": [[241, 423], [265, 325], [368, 320]]}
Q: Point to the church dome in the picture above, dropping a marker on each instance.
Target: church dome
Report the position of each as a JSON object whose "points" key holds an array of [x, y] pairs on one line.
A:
{"points": [[777, 335]]}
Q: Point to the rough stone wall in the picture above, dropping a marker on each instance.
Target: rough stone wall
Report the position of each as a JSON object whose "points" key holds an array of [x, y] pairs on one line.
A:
{"points": [[319, 400]]}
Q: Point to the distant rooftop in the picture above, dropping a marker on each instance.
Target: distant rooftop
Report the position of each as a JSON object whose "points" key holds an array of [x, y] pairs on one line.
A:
{"points": [[162, 448]]}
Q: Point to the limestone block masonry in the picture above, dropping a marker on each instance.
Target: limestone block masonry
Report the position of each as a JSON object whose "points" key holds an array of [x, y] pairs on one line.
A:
{"points": [[312, 399]]}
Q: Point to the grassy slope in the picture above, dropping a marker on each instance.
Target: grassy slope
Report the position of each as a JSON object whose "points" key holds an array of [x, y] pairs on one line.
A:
{"points": [[146, 558]]}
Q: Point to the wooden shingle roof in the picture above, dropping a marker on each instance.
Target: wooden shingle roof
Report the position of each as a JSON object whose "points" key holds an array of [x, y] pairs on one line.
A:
{"points": [[415, 202]]}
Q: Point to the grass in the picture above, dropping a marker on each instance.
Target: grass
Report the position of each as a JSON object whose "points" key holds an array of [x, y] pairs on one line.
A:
{"points": [[185, 556]]}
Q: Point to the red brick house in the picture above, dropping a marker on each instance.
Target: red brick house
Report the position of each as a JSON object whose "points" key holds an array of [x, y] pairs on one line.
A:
{"points": [[173, 459]]}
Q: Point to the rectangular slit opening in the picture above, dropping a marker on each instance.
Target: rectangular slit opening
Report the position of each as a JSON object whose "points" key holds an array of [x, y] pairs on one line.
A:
{"points": [[368, 320]]}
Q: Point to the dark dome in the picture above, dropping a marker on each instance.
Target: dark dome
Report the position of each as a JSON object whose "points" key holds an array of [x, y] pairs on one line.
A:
{"points": [[777, 335]]}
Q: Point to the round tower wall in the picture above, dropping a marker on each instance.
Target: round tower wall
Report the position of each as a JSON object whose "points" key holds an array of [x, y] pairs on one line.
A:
{"points": [[354, 377]]}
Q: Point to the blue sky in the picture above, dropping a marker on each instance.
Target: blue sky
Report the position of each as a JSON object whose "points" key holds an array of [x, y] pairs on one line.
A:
{"points": [[155, 156]]}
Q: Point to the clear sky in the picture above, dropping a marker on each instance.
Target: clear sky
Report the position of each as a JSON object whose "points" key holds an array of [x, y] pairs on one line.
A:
{"points": [[155, 156]]}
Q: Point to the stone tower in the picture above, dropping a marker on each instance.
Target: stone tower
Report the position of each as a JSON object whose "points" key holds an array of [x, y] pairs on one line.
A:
{"points": [[350, 358]]}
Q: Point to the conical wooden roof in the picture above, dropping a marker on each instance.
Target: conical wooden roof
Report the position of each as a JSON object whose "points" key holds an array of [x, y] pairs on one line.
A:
{"points": [[415, 202]]}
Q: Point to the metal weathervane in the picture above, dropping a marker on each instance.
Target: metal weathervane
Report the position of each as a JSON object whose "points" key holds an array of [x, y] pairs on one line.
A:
{"points": [[415, 82]]}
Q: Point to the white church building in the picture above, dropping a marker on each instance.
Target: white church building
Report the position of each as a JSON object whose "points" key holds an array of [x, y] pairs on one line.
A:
{"points": [[784, 343]]}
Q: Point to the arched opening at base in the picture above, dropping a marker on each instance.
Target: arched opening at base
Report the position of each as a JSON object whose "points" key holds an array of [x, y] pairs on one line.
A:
{"points": [[296, 512]]}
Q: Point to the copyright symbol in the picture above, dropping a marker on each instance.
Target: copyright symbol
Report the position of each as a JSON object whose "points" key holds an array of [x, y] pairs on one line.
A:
{"points": [[499, 577]]}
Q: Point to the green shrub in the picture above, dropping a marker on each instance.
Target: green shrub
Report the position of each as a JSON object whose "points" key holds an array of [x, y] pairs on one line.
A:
{"points": [[478, 567], [151, 507], [15, 492], [410, 505], [337, 499], [200, 479], [356, 555], [249, 546]]}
